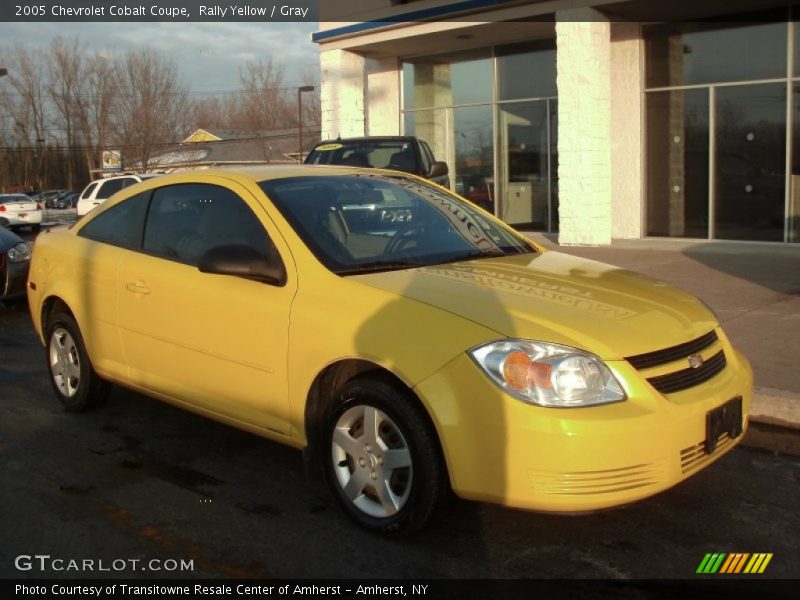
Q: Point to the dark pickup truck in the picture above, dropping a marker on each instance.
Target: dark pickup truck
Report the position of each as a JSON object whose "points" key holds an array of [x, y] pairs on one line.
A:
{"points": [[401, 153]]}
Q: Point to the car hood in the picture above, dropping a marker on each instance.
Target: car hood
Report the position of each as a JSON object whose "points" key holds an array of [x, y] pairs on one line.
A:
{"points": [[8, 239], [558, 298]]}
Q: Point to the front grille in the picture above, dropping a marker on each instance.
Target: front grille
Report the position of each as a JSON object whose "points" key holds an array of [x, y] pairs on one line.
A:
{"points": [[695, 457], [667, 355], [686, 378], [591, 483]]}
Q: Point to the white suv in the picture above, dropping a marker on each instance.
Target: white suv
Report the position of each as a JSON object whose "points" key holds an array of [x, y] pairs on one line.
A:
{"points": [[100, 190]]}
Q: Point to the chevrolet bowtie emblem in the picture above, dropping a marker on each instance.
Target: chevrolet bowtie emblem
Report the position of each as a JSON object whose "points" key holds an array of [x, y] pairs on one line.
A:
{"points": [[695, 361]]}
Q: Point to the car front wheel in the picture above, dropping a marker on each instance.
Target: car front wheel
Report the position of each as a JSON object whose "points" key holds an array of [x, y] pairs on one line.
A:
{"points": [[74, 380], [384, 463]]}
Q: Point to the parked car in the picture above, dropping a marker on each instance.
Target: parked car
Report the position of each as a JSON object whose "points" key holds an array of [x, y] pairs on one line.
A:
{"points": [[14, 262], [67, 200], [399, 152], [21, 211], [100, 190], [48, 198], [417, 345]]}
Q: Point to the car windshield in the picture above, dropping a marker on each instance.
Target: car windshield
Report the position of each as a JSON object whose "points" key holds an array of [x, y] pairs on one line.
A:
{"points": [[364, 223], [381, 154]]}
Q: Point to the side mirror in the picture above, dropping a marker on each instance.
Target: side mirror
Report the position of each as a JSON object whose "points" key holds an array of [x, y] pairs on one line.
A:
{"points": [[243, 261], [4, 222], [438, 169]]}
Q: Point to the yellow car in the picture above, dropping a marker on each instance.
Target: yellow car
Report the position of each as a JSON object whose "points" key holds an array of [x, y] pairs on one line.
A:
{"points": [[407, 340]]}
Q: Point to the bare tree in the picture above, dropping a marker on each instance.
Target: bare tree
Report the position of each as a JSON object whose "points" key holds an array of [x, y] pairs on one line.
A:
{"points": [[153, 104], [24, 98], [264, 102], [312, 106], [65, 64]]}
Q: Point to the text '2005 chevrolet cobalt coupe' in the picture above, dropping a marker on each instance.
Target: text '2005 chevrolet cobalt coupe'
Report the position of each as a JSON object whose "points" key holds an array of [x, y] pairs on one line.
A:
{"points": [[410, 342]]}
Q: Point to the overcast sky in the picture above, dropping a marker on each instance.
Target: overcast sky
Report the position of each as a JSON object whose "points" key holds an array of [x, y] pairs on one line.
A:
{"points": [[208, 54]]}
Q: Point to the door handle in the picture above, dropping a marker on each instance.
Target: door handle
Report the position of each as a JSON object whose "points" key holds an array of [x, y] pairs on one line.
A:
{"points": [[137, 288]]}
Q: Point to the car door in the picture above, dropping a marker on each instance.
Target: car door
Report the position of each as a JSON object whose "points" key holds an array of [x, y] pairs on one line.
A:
{"points": [[102, 243], [216, 342]]}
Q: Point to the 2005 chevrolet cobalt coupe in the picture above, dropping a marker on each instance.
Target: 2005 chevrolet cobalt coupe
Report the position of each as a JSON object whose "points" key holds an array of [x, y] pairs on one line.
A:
{"points": [[409, 341]]}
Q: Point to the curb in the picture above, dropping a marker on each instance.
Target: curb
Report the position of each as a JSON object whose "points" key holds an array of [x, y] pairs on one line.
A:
{"points": [[779, 408]]}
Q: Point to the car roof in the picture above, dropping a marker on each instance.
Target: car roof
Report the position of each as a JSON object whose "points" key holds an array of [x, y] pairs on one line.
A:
{"points": [[267, 172], [370, 138], [142, 176]]}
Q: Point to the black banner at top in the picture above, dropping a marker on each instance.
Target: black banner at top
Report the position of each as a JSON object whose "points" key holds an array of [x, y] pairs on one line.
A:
{"points": [[370, 14], [178, 11]]}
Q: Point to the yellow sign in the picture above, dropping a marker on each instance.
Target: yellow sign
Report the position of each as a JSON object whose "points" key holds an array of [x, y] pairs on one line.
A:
{"points": [[326, 147]]}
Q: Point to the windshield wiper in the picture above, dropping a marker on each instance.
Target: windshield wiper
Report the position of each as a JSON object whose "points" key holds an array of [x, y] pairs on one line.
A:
{"points": [[470, 256], [379, 265]]}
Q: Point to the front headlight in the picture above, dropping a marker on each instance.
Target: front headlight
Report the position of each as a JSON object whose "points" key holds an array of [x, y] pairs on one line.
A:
{"points": [[19, 253], [548, 374]]}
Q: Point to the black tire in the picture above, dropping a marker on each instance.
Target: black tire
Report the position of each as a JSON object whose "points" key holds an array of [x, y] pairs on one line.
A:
{"points": [[36, 228], [80, 393], [419, 489]]}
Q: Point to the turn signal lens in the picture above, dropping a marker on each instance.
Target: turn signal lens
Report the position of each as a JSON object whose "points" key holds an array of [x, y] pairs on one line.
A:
{"points": [[521, 372]]}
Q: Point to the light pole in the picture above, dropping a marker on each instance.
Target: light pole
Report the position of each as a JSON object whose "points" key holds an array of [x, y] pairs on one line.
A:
{"points": [[40, 173], [4, 72], [300, 90]]}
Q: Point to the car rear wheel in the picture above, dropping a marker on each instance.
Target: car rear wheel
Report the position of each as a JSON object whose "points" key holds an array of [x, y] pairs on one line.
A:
{"points": [[383, 461], [74, 380], [36, 228]]}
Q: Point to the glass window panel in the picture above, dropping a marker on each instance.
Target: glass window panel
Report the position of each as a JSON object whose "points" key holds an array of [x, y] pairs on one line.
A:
{"points": [[523, 134], [677, 163], [431, 126], [527, 71], [794, 198], [447, 79], [796, 28], [474, 155], [750, 162], [696, 53], [553, 165]]}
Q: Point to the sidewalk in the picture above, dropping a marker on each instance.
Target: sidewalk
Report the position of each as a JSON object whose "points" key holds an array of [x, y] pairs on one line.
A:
{"points": [[754, 289]]}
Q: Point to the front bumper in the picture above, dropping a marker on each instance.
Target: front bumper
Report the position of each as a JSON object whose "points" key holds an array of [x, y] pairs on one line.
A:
{"points": [[13, 278], [17, 220], [499, 449]]}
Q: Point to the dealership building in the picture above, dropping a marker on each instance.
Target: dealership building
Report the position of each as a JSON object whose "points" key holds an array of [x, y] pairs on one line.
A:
{"points": [[593, 120]]}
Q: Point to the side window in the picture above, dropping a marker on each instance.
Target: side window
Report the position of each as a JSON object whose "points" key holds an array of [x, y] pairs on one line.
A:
{"points": [[187, 220], [88, 191], [121, 225], [128, 181], [109, 188]]}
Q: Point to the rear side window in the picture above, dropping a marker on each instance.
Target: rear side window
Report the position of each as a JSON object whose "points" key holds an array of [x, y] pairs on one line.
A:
{"points": [[88, 191], [112, 186], [185, 221], [121, 225]]}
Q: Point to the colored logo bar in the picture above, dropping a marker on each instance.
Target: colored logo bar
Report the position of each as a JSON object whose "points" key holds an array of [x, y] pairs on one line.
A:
{"points": [[734, 563]]}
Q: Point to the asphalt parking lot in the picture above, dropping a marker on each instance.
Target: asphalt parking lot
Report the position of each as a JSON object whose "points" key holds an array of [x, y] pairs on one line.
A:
{"points": [[140, 479]]}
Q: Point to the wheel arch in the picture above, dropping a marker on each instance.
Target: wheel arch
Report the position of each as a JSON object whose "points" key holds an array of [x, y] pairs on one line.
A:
{"points": [[322, 393], [50, 307]]}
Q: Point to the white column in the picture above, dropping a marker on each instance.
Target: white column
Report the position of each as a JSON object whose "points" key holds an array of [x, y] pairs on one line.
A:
{"points": [[627, 107], [383, 96], [584, 127], [342, 94]]}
